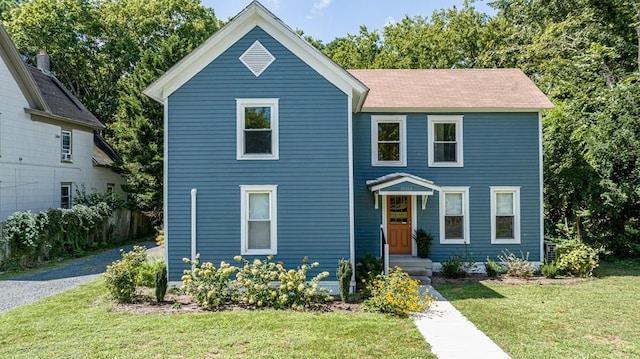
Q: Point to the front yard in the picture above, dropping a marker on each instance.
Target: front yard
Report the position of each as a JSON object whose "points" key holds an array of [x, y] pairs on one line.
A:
{"points": [[597, 318], [80, 324]]}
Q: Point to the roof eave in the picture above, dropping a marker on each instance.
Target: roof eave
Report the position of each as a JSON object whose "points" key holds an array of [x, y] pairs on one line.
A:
{"points": [[52, 116], [254, 15], [453, 109]]}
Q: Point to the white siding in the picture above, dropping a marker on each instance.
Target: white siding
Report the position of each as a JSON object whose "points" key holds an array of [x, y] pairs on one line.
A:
{"points": [[30, 166]]}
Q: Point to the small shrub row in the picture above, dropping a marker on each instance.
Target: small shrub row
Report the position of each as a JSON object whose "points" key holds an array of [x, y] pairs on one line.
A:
{"points": [[576, 258], [259, 283], [122, 276], [40, 236], [367, 269], [396, 294]]}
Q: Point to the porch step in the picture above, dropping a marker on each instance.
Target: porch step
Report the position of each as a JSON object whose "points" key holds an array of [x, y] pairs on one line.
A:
{"points": [[417, 268]]}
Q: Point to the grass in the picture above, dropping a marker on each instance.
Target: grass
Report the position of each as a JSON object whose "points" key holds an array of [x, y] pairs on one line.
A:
{"points": [[79, 324], [597, 318]]}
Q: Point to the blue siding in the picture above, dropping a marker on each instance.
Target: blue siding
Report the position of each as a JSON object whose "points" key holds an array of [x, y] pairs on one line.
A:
{"points": [[312, 172], [500, 149]]}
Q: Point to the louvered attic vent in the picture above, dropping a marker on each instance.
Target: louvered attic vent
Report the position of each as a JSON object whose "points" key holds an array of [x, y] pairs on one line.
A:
{"points": [[257, 58]]}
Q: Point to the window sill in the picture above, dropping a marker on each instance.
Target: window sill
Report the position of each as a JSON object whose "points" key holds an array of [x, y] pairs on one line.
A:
{"points": [[506, 241], [257, 158], [388, 164], [453, 241], [258, 252], [446, 164], [66, 161]]}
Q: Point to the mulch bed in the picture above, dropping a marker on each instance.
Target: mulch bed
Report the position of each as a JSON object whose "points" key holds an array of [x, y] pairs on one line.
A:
{"points": [[482, 278]]}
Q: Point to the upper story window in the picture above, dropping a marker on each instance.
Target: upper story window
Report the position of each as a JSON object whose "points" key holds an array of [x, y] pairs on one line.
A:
{"points": [[259, 219], [445, 140], [257, 129], [65, 195], [65, 146], [505, 215], [388, 141], [454, 215]]}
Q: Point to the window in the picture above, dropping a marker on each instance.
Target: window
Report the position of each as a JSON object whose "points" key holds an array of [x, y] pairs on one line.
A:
{"points": [[65, 146], [505, 215], [259, 220], [454, 215], [111, 188], [65, 195], [257, 130], [388, 141], [445, 141]]}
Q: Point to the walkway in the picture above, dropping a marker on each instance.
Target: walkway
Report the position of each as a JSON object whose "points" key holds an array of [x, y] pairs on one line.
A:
{"points": [[29, 288], [453, 336]]}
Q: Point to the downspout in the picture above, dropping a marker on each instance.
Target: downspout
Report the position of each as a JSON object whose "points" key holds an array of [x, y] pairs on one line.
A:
{"points": [[194, 192]]}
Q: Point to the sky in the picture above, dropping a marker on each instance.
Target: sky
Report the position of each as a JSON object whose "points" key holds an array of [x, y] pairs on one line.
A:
{"points": [[327, 19]]}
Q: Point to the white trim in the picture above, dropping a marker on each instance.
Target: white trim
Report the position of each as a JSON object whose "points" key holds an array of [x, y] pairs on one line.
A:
{"points": [[515, 190], [541, 185], [257, 52], [383, 185], [352, 236], [437, 119], [66, 156], [194, 226], [165, 176], [446, 110], [241, 104], [255, 15], [413, 219], [401, 120], [414, 224], [408, 193], [465, 213], [245, 190], [68, 185]]}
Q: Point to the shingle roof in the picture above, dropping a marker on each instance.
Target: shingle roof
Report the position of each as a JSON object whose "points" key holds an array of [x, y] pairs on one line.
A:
{"points": [[103, 153], [479, 89], [61, 102]]}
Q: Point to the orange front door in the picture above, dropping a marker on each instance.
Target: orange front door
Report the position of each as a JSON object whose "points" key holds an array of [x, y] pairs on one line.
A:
{"points": [[399, 224]]}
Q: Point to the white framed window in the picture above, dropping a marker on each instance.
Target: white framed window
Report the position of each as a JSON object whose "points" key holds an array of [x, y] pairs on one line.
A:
{"points": [[65, 195], [505, 215], [454, 215], [444, 134], [66, 146], [259, 222], [257, 129], [389, 141]]}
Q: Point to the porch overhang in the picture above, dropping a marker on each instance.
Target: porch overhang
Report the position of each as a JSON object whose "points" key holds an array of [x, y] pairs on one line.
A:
{"points": [[402, 184]]}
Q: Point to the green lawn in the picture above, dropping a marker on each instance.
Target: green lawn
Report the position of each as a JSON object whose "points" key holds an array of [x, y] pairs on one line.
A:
{"points": [[598, 318], [78, 324]]}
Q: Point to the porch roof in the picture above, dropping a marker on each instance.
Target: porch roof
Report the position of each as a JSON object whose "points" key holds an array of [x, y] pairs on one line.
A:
{"points": [[402, 183]]}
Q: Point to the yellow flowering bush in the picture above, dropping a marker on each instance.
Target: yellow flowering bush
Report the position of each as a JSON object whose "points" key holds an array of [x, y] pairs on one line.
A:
{"points": [[396, 294], [263, 283], [209, 286]]}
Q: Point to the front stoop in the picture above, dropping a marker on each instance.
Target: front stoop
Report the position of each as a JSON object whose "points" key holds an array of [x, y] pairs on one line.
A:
{"points": [[417, 268]]}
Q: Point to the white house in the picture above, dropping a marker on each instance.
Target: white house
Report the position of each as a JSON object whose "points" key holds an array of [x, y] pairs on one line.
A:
{"points": [[49, 142]]}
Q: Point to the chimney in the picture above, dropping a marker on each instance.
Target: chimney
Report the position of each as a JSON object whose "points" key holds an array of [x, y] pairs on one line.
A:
{"points": [[43, 61]]}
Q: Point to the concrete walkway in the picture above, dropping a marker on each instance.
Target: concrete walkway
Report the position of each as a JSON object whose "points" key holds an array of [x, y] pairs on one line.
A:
{"points": [[453, 336]]}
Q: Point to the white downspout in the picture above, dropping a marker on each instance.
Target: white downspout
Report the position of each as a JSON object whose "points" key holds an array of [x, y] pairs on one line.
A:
{"points": [[194, 192]]}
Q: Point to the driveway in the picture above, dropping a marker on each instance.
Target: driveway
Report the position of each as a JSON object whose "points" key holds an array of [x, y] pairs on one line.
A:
{"points": [[29, 288]]}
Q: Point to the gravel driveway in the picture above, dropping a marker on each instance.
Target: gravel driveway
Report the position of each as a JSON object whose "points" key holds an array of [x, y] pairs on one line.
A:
{"points": [[29, 288]]}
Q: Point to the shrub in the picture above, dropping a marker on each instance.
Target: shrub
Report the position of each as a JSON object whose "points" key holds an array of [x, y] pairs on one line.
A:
{"points": [[256, 285], [160, 238], [549, 270], [516, 266], [120, 277], [492, 268], [146, 275], [423, 242], [209, 286], [577, 258], [367, 269], [344, 278], [396, 294], [161, 280], [452, 267]]}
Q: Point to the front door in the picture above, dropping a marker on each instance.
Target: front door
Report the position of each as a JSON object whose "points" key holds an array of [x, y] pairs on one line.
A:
{"points": [[399, 224]]}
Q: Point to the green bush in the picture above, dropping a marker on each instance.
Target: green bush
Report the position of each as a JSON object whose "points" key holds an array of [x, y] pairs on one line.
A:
{"points": [[423, 242], [146, 276], [516, 266], [577, 258], [161, 280], [209, 286], [492, 268], [256, 284], [452, 267], [396, 294], [121, 275], [344, 278], [550, 270], [367, 269]]}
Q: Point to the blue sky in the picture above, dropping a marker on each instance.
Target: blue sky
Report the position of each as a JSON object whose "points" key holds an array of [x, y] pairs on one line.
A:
{"points": [[328, 19]]}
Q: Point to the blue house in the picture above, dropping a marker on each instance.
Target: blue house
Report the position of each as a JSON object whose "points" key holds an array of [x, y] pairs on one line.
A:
{"points": [[273, 149]]}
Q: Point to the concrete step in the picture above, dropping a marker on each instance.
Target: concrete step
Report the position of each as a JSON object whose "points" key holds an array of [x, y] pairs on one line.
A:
{"points": [[417, 268]]}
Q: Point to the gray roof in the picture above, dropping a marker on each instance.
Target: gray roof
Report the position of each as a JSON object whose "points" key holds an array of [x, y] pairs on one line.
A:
{"points": [[61, 102]]}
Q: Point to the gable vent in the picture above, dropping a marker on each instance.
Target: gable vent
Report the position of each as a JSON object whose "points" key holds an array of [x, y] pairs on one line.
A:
{"points": [[257, 58]]}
